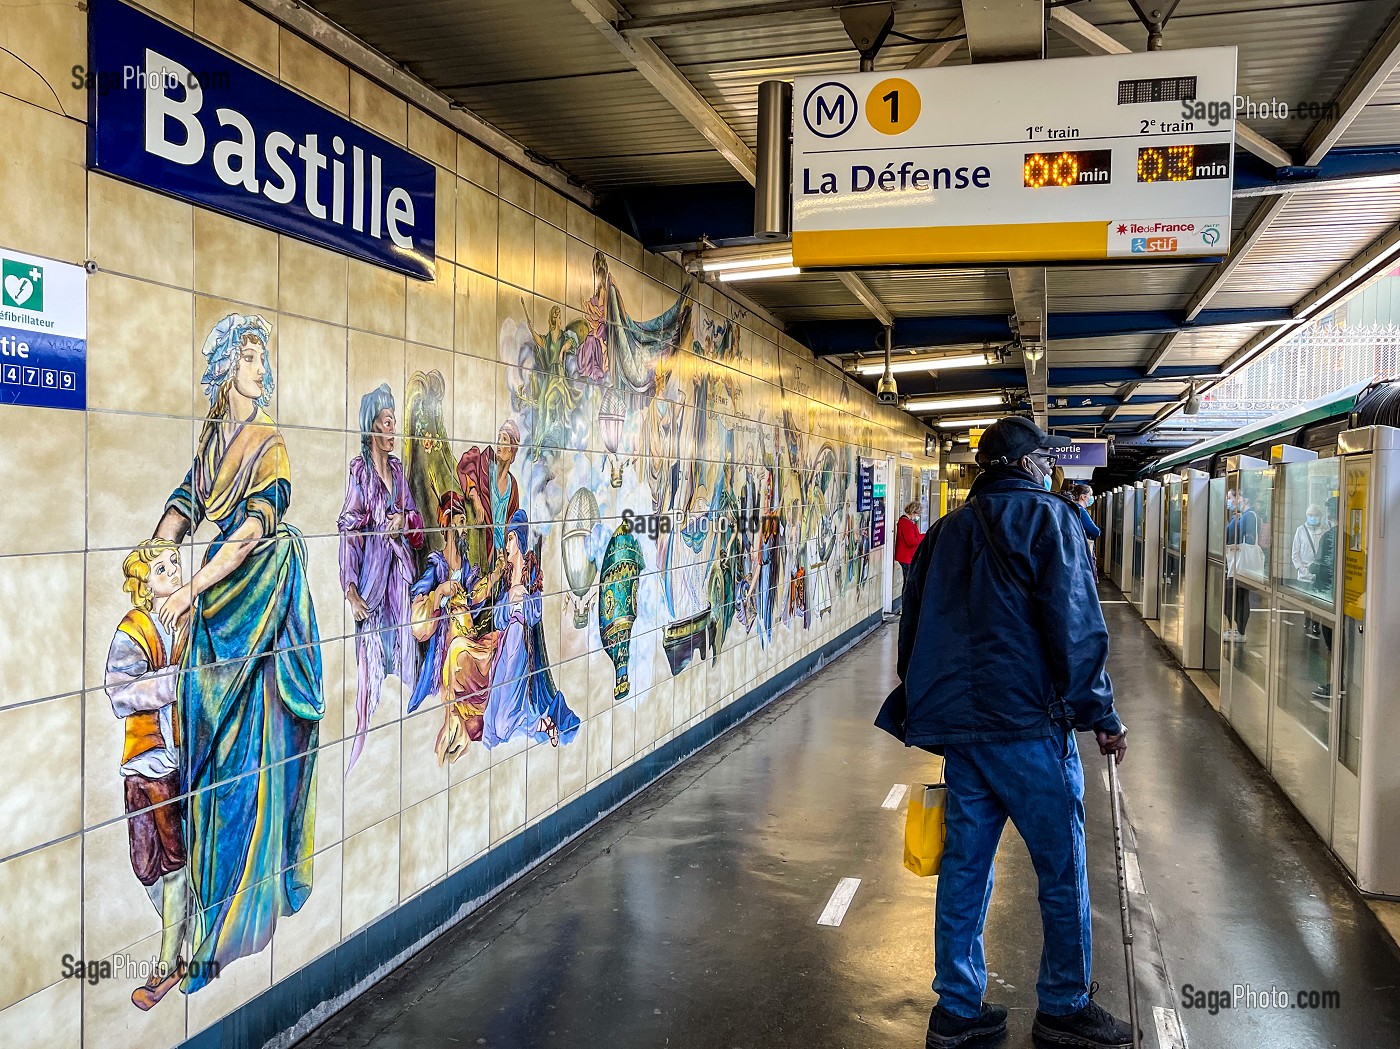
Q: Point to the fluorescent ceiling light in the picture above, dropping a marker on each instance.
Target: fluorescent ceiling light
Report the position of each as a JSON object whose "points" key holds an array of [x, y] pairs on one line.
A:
{"points": [[729, 276], [942, 404], [961, 424], [899, 366], [752, 262]]}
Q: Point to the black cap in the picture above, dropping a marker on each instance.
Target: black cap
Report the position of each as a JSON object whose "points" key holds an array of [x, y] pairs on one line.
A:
{"points": [[1014, 437]]}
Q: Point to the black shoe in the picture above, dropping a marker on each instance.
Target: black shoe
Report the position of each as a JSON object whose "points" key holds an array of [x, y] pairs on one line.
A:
{"points": [[946, 1030], [1093, 1027]]}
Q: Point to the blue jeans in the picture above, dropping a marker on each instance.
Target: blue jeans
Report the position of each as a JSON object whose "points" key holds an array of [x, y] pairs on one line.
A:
{"points": [[1039, 785]]}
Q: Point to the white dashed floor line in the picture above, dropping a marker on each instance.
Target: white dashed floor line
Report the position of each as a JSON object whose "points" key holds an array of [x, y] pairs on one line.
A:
{"points": [[1133, 872], [840, 902], [1169, 1032], [895, 797]]}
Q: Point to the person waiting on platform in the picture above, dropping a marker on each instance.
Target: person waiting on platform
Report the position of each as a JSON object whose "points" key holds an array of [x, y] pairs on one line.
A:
{"points": [[1082, 496], [1324, 573], [1242, 553], [907, 538], [1307, 540], [1003, 655]]}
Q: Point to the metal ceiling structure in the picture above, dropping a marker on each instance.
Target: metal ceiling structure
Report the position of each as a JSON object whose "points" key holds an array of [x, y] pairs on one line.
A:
{"points": [[652, 105]]}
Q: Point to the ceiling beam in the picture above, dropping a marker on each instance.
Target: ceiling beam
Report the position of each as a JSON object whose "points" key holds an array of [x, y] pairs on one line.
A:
{"points": [[1092, 40], [325, 34], [845, 337], [685, 17], [867, 298], [1358, 91], [672, 84], [661, 73], [936, 54], [1258, 226], [1083, 34]]}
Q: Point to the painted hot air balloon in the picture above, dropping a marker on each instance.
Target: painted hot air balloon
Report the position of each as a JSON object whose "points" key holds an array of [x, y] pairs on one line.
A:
{"points": [[617, 601], [580, 519]]}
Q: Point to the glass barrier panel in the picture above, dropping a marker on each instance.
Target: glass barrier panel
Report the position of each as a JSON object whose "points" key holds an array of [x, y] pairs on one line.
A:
{"points": [[1215, 603], [1346, 808], [1246, 650], [1301, 753], [1249, 526], [1215, 518], [1307, 502], [1174, 502], [1169, 608]]}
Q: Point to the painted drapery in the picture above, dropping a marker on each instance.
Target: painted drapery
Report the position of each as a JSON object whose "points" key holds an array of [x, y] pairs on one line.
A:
{"points": [[250, 703]]}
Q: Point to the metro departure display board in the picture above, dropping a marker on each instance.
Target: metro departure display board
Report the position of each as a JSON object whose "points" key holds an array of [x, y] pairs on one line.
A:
{"points": [[1068, 159]]}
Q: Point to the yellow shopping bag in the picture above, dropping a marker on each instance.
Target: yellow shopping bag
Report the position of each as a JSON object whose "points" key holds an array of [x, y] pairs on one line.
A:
{"points": [[924, 829]]}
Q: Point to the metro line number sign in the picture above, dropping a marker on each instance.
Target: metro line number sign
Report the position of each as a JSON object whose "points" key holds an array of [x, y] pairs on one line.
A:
{"points": [[1068, 159]]}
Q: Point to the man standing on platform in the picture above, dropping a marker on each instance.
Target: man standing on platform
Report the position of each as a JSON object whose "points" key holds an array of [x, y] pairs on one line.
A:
{"points": [[1003, 655]]}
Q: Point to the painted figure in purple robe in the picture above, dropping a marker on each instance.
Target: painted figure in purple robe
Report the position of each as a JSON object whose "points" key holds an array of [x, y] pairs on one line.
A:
{"points": [[380, 528], [523, 696]]}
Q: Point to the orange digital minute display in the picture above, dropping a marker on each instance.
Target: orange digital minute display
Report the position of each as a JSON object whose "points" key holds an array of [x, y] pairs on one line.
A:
{"points": [[1184, 163], [1084, 167]]}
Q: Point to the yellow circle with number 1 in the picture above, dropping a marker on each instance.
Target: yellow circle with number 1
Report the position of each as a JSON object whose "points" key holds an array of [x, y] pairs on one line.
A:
{"points": [[892, 106]]}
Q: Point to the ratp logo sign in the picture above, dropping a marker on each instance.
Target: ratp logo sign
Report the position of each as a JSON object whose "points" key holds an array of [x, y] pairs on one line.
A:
{"points": [[171, 114]]}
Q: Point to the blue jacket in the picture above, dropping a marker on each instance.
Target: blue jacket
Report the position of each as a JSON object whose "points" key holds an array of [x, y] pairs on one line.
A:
{"points": [[1087, 523], [983, 659]]}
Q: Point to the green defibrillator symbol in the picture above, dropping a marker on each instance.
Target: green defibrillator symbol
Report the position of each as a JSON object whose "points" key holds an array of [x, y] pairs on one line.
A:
{"points": [[22, 285]]}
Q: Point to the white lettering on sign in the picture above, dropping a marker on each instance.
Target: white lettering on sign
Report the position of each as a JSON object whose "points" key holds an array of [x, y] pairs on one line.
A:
{"points": [[175, 132], [12, 347]]}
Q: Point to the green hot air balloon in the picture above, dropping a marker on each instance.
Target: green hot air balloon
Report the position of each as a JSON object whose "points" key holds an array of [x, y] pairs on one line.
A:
{"points": [[617, 601]]}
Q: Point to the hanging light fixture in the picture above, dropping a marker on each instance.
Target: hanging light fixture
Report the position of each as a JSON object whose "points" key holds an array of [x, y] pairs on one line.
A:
{"points": [[947, 404], [1193, 401]]}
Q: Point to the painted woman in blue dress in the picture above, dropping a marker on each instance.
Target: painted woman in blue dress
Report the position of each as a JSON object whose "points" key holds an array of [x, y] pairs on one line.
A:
{"points": [[250, 700], [523, 697]]}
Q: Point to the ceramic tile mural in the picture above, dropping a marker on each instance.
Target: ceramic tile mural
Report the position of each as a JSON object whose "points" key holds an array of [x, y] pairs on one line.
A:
{"points": [[365, 574]]}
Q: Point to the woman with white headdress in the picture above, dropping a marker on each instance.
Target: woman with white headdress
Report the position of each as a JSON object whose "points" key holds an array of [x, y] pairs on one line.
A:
{"points": [[250, 697]]}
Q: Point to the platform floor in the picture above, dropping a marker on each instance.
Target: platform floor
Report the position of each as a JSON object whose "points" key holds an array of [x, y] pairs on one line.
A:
{"points": [[689, 917]]}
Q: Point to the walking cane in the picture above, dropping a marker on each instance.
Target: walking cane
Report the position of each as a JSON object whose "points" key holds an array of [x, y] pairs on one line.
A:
{"points": [[1123, 906]]}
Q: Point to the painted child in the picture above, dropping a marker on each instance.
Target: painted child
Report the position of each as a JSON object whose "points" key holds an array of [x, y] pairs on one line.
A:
{"points": [[142, 670]]}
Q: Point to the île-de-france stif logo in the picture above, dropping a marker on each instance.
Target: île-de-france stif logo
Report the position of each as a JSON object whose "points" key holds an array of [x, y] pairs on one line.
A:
{"points": [[22, 285]]}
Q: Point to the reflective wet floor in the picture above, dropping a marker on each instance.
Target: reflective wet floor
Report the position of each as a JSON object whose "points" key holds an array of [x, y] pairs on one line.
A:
{"points": [[690, 917]]}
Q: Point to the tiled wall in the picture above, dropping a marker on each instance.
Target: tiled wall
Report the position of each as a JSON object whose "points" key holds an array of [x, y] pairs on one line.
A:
{"points": [[739, 415]]}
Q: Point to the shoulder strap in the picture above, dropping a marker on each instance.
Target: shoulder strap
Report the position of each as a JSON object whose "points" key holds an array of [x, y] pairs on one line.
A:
{"points": [[995, 547]]}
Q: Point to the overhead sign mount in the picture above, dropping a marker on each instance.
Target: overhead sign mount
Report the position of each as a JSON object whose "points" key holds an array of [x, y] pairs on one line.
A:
{"points": [[1069, 159]]}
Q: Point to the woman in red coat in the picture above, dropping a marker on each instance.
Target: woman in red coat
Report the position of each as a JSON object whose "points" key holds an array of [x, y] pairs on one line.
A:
{"points": [[907, 538]]}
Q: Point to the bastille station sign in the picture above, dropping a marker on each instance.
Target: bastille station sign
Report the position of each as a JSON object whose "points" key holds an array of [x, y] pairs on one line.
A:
{"points": [[1068, 159], [174, 115]]}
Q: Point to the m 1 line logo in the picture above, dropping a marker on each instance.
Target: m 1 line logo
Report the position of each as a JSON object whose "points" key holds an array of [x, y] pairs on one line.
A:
{"points": [[22, 286]]}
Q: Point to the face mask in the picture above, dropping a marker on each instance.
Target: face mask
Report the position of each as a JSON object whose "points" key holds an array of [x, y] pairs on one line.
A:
{"points": [[1090, 502], [1047, 482], [1313, 522], [1229, 504]]}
